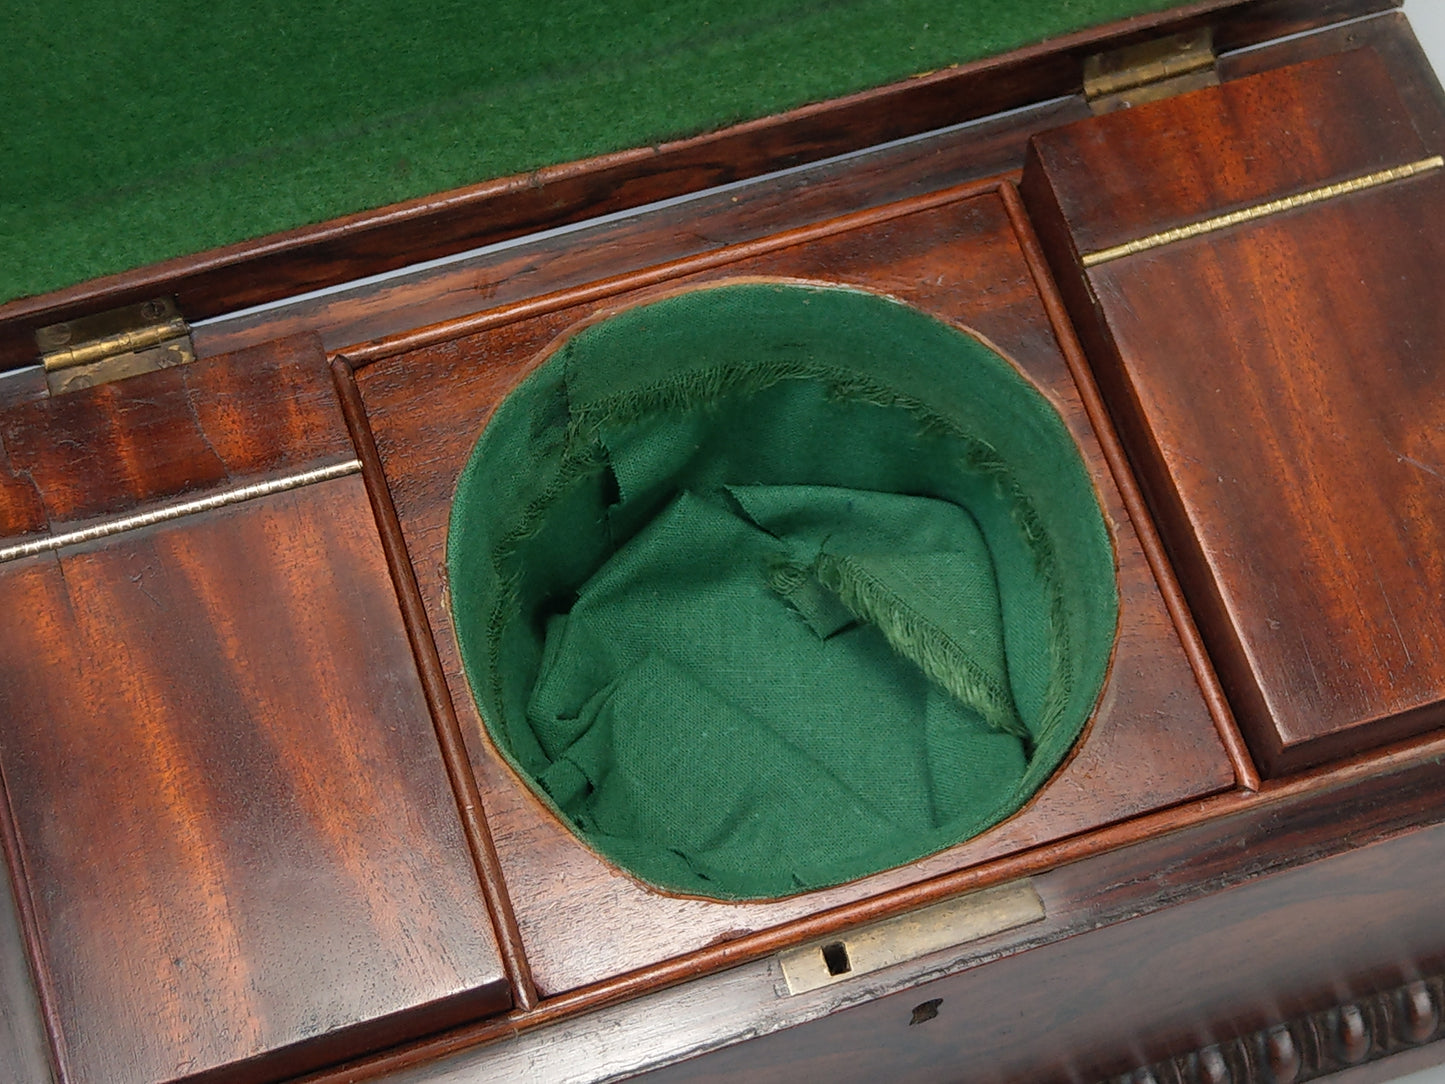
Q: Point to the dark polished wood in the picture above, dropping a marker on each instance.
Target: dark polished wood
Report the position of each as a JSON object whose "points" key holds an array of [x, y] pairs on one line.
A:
{"points": [[260, 413], [1190, 906], [433, 682], [1152, 742], [1246, 773], [1388, 36], [22, 513], [1233, 968], [239, 853], [283, 264], [560, 260], [1275, 384], [1153, 168], [1362, 1029], [1190, 927]]}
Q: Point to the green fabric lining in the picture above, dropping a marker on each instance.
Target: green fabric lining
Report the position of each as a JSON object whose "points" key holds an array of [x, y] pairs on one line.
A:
{"points": [[137, 133], [769, 587], [927, 641]]}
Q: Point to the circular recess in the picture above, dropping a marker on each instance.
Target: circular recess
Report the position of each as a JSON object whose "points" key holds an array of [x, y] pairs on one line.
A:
{"points": [[767, 587]]}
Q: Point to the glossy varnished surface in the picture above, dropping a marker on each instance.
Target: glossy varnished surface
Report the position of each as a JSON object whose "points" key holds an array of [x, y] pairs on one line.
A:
{"points": [[1254, 906], [1142, 170], [371, 310], [236, 844], [1207, 925], [257, 414], [709, 221], [1276, 383], [1258, 947], [1152, 743]]}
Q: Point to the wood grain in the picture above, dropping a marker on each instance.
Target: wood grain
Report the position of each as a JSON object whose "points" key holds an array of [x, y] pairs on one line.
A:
{"points": [[238, 854], [433, 683], [1275, 384], [1183, 159], [558, 260], [1389, 36], [22, 512], [252, 272], [252, 415], [1221, 913], [233, 820], [1151, 744], [1246, 773], [1237, 964], [370, 310]]}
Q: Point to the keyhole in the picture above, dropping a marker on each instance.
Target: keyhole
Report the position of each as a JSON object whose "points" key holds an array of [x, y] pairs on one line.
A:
{"points": [[835, 956]]}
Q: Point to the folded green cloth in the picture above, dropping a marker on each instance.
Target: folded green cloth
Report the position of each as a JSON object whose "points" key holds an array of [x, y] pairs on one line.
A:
{"points": [[766, 587]]}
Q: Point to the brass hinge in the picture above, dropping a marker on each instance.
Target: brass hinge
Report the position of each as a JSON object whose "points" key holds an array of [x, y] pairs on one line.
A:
{"points": [[1149, 71], [113, 345]]}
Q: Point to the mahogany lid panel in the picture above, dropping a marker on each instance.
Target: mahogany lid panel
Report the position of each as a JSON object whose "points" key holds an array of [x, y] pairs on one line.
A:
{"points": [[255, 414], [1152, 741], [238, 854], [1220, 969], [1279, 385], [1143, 170]]}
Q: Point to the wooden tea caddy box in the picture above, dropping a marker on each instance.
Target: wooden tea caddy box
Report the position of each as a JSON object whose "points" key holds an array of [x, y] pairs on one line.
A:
{"points": [[255, 829]]}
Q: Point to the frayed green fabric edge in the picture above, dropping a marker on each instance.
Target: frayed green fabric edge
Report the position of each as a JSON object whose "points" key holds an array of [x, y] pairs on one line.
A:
{"points": [[582, 453], [922, 642]]}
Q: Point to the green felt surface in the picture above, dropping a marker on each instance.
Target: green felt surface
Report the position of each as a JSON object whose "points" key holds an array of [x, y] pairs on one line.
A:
{"points": [[766, 588], [138, 132]]}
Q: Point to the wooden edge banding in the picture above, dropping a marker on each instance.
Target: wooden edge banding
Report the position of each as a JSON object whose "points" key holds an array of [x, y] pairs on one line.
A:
{"points": [[756, 946], [1312, 1045], [1245, 772], [429, 668], [601, 289], [1252, 795]]}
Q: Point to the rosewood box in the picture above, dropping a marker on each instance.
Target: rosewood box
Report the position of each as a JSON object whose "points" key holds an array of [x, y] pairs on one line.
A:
{"points": [[256, 828]]}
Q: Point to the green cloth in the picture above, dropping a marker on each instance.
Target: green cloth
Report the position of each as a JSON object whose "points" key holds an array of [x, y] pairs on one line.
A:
{"points": [[768, 587], [138, 132]]}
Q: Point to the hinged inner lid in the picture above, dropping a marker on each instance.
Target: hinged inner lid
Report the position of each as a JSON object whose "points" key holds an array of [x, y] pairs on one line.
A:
{"points": [[1259, 267], [235, 840]]}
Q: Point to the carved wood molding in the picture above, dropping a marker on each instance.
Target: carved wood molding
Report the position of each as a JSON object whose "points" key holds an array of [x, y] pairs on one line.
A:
{"points": [[1311, 1046]]}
